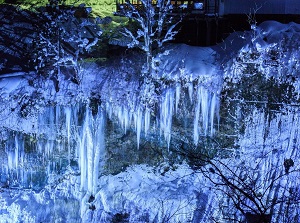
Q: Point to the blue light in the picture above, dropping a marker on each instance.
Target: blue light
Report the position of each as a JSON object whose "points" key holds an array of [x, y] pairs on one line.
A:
{"points": [[198, 5]]}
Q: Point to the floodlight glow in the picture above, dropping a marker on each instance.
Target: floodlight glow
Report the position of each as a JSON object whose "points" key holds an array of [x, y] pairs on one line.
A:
{"points": [[198, 5]]}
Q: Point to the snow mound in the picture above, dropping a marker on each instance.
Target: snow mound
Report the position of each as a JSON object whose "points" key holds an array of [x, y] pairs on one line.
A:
{"points": [[187, 62], [163, 193]]}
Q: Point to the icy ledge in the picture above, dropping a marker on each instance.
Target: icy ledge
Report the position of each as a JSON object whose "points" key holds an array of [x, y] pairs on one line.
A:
{"points": [[186, 83]]}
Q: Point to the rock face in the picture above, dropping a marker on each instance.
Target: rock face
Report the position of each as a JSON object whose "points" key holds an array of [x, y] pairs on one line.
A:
{"points": [[18, 31], [36, 38]]}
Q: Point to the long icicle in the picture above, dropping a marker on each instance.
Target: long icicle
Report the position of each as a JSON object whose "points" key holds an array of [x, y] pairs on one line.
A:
{"points": [[166, 114], [197, 116], [99, 147]]}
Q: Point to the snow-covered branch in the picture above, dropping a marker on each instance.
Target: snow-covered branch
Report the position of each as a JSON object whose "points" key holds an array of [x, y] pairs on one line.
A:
{"points": [[156, 26], [63, 36]]}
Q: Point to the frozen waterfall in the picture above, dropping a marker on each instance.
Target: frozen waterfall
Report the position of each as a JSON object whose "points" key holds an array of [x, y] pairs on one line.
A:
{"points": [[118, 147], [66, 133]]}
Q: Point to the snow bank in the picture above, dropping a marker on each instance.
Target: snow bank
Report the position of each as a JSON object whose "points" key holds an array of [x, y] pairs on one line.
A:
{"points": [[148, 194]]}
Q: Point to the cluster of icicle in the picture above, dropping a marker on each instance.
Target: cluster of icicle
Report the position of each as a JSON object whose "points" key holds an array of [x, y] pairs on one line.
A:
{"points": [[206, 108], [64, 133], [88, 135], [80, 134]]}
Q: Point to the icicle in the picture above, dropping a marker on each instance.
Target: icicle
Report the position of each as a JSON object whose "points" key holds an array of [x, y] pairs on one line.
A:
{"points": [[212, 113], [190, 90], [10, 159], [23, 177], [31, 183], [204, 108], [16, 152], [40, 148], [49, 147], [82, 154], [74, 115], [68, 130], [109, 110], [196, 120], [21, 152], [52, 132], [178, 90], [57, 115], [207, 104], [147, 121], [138, 119], [91, 147], [99, 147], [127, 119], [124, 117], [166, 113], [120, 116], [217, 110], [89, 152]]}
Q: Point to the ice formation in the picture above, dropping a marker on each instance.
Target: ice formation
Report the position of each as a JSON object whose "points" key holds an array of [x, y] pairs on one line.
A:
{"points": [[40, 149], [177, 191]]}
